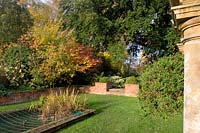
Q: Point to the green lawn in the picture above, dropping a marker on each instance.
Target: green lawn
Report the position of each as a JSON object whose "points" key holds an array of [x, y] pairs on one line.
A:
{"points": [[115, 114], [16, 106]]}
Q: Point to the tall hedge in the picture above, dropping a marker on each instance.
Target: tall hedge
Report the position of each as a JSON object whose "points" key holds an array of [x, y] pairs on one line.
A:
{"points": [[162, 85]]}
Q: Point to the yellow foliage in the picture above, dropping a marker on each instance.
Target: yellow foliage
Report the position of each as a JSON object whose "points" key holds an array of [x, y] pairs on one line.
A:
{"points": [[41, 13], [47, 28], [50, 33], [65, 60], [58, 54], [105, 55]]}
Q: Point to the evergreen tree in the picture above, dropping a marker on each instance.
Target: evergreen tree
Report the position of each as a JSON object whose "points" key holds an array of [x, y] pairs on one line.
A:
{"points": [[15, 20], [100, 23]]}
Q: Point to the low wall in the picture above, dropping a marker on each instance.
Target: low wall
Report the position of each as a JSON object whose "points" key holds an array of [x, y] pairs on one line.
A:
{"points": [[103, 88], [98, 88], [25, 96], [131, 89]]}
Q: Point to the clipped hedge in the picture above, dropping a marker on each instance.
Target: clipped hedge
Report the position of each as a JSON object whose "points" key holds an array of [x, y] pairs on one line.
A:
{"points": [[162, 85], [131, 80]]}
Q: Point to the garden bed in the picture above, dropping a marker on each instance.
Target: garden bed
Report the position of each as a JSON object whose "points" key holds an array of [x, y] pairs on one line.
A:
{"points": [[29, 121]]}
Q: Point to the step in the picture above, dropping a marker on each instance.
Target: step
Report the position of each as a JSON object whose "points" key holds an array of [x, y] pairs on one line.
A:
{"points": [[116, 90]]}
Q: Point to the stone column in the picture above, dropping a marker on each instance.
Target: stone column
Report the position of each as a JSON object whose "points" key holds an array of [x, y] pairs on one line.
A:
{"points": [[191, 39], [186, 14]]}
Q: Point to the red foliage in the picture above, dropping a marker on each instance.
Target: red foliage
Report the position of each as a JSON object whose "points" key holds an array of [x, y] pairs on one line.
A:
{"points": [[84, 57]]}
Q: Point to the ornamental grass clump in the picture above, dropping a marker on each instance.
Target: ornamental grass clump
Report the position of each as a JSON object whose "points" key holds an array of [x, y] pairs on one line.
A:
{"points": [[57, 105]]}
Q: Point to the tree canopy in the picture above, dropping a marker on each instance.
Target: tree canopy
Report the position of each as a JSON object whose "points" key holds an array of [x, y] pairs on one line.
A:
{"points": [[15, 20], [100, 23]]}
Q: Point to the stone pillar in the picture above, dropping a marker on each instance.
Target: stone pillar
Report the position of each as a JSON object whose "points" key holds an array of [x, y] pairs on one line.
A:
{"points": [[186, 14], [191, 40]]}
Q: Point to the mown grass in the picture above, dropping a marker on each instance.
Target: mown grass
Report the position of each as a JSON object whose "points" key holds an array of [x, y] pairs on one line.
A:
{"points": [[16, 106], [117, 114]]}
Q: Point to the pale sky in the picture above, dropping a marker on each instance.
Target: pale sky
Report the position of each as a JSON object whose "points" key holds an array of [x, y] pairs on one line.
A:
{"points": [[45, 0]]}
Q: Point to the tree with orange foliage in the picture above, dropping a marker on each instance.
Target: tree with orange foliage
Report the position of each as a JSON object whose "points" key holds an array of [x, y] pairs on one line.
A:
{"points": [[57, 56], [66, 60]]}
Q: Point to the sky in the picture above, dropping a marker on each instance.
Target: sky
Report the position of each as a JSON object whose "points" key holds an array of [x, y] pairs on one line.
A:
{"points": [[45, 0]]}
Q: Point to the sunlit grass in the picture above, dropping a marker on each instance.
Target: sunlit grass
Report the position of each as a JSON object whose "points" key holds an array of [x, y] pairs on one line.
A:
{"points": [[117, 114], [16, 106]]}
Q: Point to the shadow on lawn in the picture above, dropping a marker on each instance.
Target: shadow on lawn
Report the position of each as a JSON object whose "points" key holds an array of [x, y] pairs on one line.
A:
{"points": [[100, 106]]}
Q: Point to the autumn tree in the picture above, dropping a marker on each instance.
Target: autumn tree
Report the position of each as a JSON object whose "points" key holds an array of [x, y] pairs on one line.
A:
{"points": [[66, 60], [57, 56]]}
